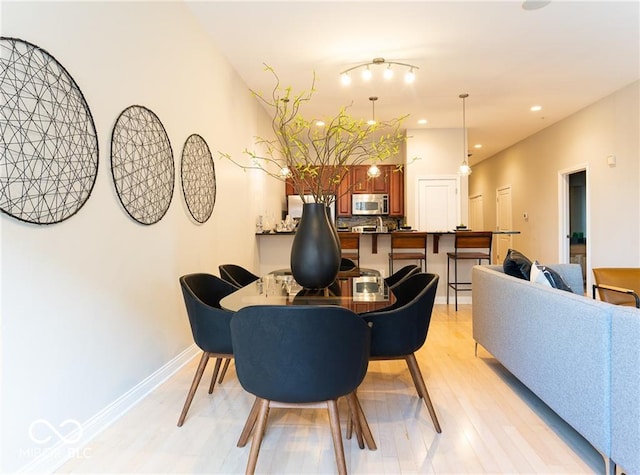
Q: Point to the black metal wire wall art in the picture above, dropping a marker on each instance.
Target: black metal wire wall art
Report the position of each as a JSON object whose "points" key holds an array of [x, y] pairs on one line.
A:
{"points": [[48, 140], [198, 176], [142, 164]]}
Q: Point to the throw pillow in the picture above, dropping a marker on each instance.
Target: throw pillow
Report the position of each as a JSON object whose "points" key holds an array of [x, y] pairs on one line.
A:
{"points": [[537, 275], [517, 265], [546, 276], [557, 282]]}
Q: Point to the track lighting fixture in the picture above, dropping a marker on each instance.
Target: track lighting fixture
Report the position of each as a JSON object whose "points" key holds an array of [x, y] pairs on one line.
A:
{"points": [[388, 73]]}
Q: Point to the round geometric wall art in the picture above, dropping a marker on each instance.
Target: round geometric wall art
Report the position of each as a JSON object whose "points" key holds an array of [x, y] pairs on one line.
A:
{"points": [[48, 140], [142, 164], [198, 178]]}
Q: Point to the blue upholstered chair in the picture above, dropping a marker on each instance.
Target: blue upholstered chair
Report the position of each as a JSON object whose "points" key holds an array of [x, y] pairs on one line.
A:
{"points": [[209, 325], [400, 330], [399, 275], [294, 355], [347, 264], [236, 275]]}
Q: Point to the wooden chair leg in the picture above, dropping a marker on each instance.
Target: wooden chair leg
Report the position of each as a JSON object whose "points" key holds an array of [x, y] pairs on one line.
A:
{"points": [[448, 281], [194, 385], [336, 435], [366, 431], [224, 369], [415, 369], [354, 419], [216, 368], [248, 426], [455, 291], [415, 383], [257, 436]]}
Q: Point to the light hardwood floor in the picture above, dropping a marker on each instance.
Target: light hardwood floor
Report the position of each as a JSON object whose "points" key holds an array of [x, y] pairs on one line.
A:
{"points": [[490, 423]]}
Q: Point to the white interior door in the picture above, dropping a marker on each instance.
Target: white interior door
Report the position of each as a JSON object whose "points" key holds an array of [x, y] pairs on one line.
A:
{"points": [[503, 223], [437, 204], [476, 213]]}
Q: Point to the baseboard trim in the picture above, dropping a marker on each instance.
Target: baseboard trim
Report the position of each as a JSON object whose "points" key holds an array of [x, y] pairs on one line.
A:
{"points": [[56, 456]]}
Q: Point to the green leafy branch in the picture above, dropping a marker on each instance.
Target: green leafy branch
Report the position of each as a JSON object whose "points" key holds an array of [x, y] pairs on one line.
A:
{"points": [[315, 159]]}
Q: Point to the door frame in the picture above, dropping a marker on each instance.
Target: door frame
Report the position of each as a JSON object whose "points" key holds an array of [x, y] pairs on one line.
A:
{"points": [[563, 217], [509, 236]]}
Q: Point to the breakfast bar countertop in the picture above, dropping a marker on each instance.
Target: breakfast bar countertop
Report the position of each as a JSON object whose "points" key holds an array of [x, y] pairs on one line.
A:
{"points": [[374, 236]]}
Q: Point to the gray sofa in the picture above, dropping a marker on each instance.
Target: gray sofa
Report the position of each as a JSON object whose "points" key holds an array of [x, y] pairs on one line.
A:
{"points": [[579, 355]]}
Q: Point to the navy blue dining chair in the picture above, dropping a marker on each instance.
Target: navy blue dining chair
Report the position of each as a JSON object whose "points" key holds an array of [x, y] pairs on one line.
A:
{"points": [[401, 274], [209, 325], [400, 330], [296, 355], [236, 275]]}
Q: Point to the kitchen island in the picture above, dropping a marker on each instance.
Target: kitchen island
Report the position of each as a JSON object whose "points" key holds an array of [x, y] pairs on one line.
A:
{"points": [[274, 251]]}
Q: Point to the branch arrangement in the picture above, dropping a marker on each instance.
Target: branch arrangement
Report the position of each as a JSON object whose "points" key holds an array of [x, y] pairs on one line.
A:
{"points": [[315, 158]]}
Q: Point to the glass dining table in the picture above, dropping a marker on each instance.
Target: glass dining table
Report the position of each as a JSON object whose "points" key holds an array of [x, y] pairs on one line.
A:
{"points": [[360, 290]]}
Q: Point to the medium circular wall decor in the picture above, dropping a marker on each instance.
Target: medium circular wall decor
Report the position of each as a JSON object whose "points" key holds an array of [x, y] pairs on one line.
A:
{"points": [[48, 140], [198, 176], [142, 164]]}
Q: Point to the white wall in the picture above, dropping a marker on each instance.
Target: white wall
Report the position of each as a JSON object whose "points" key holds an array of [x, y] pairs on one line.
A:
{"points": [[531, 167], [91, 306], [433, 153]]}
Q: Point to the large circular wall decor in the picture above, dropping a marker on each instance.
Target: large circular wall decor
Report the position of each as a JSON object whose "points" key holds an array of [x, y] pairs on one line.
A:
{"points": [[198, 178], [48, 140], [142, 164]]}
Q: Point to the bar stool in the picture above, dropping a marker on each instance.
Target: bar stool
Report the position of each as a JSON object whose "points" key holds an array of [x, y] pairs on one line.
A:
{"points": [[413, 246], [480, 242]]}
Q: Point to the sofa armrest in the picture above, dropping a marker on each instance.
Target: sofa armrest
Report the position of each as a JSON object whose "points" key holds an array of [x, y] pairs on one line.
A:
{"points": [[620, 290], [625, 382]]}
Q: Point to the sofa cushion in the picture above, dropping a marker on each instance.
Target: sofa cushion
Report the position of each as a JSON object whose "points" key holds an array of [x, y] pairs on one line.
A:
{"points": [[517, 264]]}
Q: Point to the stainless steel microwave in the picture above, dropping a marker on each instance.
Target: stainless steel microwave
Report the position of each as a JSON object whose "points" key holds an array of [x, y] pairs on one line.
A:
{"points": [[375, 204]]}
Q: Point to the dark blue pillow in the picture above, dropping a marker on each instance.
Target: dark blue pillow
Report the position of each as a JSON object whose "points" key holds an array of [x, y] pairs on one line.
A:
{"points": [[517, 265]]}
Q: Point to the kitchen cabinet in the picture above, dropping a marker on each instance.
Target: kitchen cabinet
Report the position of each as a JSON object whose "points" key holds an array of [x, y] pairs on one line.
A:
{"points": [[390, 182], [380, 184], [365, 184], [396, 192], [360, 179], [343, 200]]}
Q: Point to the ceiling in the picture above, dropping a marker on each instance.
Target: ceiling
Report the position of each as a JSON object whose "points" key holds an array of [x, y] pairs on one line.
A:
{"points": [[563, 56]]}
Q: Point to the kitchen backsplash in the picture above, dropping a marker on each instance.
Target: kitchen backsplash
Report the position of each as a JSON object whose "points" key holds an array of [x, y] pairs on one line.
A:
{"points": [[391, 223]]}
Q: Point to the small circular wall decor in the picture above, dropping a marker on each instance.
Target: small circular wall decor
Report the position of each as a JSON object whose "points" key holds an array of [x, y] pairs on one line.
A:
{"points": [[198, 176], [142, 164], [48, 140]]}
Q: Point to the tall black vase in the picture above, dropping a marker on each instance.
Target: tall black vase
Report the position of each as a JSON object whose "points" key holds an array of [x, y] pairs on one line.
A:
{"points": [[334, 231], [315, 255]]}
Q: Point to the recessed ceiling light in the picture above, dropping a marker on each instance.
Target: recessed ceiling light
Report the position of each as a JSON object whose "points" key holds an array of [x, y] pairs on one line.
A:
{"points": [[320, 123], [478, 145], [422, 121], [536, 108], [534, 4]]}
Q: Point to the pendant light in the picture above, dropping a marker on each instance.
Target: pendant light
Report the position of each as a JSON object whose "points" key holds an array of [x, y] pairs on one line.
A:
{"points": [[373, 170], [373, 100], [465, 169]]}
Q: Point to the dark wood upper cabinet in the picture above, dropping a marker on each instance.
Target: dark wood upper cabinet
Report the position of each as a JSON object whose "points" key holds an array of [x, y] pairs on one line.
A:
{"points": [[396, 192], [360, 179], [343, 200], [390, 181]]}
